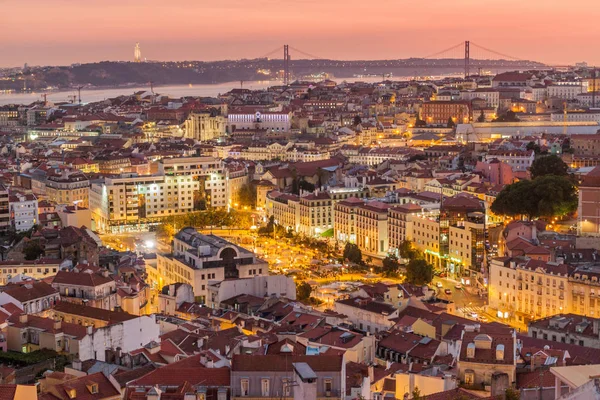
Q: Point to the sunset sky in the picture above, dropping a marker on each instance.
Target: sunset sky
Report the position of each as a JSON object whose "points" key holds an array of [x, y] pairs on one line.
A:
{"points": [[68, 31]]}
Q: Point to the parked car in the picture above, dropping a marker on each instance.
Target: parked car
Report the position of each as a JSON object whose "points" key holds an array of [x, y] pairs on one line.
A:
{"points": [[458, 286], [483, 318], [439, 284], [448, 291]]}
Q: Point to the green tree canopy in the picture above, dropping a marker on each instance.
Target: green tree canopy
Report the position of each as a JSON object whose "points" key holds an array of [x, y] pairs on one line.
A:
{"points": [[247, 195], [509, 116], [481, 117], [352, 253], [450, 123], [32, 250], [419, 272], [548, 165], [390, 265], [303, 291], [546, 196]]}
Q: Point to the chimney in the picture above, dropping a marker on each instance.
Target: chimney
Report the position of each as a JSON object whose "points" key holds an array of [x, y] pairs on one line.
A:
{"points": [[23, 318], [371, 374], [57, 325], [90, 329], [76, 364]]}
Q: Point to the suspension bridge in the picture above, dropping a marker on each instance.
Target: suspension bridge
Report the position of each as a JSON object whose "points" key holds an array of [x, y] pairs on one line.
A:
{"points": [[467, 55]]}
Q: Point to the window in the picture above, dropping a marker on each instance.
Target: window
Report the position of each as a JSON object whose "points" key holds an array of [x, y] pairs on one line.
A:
{"points": [[469, 377], [264, 387], [245, 387], [327, 383]]}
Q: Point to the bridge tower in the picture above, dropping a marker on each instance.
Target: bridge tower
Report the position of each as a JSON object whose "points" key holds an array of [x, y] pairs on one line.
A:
{"points": [[286, 64], [467, 57]]}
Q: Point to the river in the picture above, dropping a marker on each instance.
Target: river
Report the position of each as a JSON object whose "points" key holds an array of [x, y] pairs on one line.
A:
{"points": [[176, 91]]}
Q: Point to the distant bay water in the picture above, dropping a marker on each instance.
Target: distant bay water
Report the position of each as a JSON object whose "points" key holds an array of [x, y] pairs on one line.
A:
{"points": [[175, 91]]}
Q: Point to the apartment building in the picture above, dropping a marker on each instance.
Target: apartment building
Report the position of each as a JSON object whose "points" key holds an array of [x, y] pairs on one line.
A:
{"points": [[315, 213], [344, 225], [285, 209], [566, 92], [271, 121], [200, 260], [522, 289], [37, 269], [69, 187], [372, 228], [95, 289], [519, 160], [182, 185], [426, 237], [23, 211], [439, 112], [400, 224], [588, 206], [4, 209]]}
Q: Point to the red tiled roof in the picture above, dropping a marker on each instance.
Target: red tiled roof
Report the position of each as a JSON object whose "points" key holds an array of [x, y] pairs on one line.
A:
{"points": [[266, 363], [187, 370]]}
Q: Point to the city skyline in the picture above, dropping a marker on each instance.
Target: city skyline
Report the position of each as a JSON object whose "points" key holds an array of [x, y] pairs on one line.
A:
{"points": [[108, 30]]}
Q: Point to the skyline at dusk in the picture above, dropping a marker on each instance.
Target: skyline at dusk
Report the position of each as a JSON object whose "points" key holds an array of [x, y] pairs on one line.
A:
{"points": [[64, 32]]}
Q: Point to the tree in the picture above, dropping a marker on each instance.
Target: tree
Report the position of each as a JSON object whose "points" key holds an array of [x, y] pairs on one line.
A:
{"points": [[357, 120], [247, 195], [303, 291], [450, 123], [352, 253], [548, 165], [546, 196], [481, 117], [416, 393], [511, 394], [509, 116], [419, 123], [534, 146], [406, 250], [32, 250], [419, 272], [390, 265]]}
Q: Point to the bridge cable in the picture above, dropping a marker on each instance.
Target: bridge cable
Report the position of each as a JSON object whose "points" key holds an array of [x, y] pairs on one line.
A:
{"points": [[461, 44], [497, 53], [307, 54]]}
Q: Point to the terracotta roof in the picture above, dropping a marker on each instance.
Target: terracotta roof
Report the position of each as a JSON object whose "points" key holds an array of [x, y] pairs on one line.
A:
{"points": [[268, 363], [81, 278], [30, 291], [82, 388], [112, 317], [187, 370]]}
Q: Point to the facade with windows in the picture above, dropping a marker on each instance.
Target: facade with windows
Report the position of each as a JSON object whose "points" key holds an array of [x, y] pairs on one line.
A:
{"points": [[200, 260], [272, 376]]}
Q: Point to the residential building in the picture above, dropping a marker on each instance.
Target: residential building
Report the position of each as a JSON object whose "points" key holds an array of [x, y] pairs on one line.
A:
{"points": [[439, 112], [267, 376], [5, 221], [31, 297], [372, 228], [258, 286], [200, 260], [567, 328], [400, 224], [366, 314], [70, 187], [23, 211], [93, 386], [344, 225], [588, 206], [519, 160], [486, 354], [36, 269], [172, 296], [95, 289], [521, 289], [315, 214], [566, 92]]}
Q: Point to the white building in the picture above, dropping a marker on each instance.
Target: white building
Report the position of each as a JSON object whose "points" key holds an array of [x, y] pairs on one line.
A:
{"points": [[567, 92], [127, 335], [272, 121], [182, 185], [259, 286], [577, 116], [491, 96], [202, 260], [23, 211], [519, 160]]}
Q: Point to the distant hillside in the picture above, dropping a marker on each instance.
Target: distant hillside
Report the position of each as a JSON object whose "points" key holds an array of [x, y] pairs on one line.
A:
{"points": [[108, 73]]}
